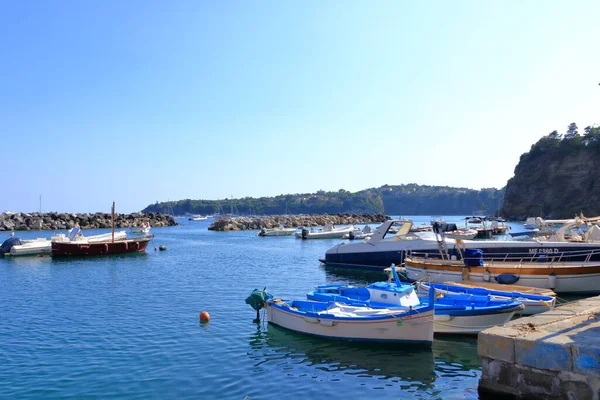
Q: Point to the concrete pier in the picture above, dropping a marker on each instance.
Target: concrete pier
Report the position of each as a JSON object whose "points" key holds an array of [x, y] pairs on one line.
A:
{"points": [[553, 355]]}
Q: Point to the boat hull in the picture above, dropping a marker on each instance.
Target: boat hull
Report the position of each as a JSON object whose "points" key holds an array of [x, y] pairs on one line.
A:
{"points": [[469, 325], [532, 304], [277, 232], [60, 249], [413, 328]]}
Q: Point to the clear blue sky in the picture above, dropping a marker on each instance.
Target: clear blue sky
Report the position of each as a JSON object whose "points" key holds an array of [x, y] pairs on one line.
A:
{"points": [[139, 101]]}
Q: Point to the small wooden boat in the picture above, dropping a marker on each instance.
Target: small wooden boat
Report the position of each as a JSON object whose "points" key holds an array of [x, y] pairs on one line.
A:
{"points": [[99, 248], [501, 287], [532, 303], [577, 277], [336, 320]]}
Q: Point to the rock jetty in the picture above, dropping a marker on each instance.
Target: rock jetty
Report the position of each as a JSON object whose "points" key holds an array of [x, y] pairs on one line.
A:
{"points": [[56, 221], [273, 221]]}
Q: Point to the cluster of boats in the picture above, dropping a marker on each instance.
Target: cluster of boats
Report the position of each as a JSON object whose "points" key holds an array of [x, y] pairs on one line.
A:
{"points": [[329, 231], [396, 311], [74, 243], [452, 285], [558, 262]]}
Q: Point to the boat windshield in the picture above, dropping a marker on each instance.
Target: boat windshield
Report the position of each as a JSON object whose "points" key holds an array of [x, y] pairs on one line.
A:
{"points": [[397, 228]]}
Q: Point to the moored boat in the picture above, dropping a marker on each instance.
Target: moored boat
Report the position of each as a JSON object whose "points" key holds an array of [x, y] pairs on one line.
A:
{"points": [[62, 249], [546, 272], [454, 313], [281, 231], [363, 234], [532, 303], [335, 320], [385, 248], [142, 228], [101, 245], [329, 231]]}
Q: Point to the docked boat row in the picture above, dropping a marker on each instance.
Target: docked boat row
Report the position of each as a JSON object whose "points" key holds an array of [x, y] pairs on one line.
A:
{"points": [[396, 311]]}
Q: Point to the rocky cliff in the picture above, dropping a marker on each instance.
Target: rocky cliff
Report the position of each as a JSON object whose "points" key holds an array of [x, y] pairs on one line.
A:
{"points": [[557, 178]]}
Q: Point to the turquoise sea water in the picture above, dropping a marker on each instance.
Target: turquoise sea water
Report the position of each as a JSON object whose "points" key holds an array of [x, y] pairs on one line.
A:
{"points": [[127, 327]]}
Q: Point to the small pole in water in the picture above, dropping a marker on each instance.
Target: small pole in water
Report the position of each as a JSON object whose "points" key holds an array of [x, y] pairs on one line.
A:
{"points": [[112, 222]]}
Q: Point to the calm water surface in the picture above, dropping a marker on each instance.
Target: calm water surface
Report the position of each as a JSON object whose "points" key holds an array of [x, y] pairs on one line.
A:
{"points": [[127, 327]]}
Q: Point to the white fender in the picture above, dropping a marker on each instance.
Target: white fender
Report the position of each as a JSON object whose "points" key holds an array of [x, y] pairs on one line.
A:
{"points": [[442, 318]]}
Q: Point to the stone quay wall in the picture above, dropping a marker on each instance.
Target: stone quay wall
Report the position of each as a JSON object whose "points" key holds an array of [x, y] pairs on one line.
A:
{"points": [[56, 221], [553, 355], [293, 221]]}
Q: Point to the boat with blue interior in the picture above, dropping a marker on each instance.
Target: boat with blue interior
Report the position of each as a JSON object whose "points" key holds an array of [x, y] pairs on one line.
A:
{"points": [[341, 321], [532, 303]]}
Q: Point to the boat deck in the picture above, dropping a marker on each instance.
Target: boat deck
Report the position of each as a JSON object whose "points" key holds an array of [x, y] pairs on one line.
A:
{"points": [[503, 288]]}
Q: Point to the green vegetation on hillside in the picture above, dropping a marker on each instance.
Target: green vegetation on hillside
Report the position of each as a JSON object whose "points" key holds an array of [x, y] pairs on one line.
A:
{"points": [[558, 177], [411, 199]]}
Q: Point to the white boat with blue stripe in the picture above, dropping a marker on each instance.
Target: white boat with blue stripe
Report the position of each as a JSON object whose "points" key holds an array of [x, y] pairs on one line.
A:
{"points": [[335, 320], [532, 303]]}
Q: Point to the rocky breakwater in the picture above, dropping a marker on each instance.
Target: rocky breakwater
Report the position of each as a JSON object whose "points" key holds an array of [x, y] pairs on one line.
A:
{"points": [[274, 221], [56, 221]]}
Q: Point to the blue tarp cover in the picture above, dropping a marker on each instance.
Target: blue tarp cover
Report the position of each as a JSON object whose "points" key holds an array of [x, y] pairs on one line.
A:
{"points": [[473, 257]]}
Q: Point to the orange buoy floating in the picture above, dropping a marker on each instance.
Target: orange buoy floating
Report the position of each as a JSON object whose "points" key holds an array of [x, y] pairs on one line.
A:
{"points": [[204, 316]]}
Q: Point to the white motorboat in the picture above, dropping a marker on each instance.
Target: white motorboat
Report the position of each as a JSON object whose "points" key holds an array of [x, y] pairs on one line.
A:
{"points": [[329, 231], [464, 234], [365, 233], [141, 229], [385, 248], [281, 231]]}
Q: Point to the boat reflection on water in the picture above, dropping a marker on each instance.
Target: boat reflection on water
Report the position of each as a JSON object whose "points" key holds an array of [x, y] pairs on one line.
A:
{"points": [[289, 350], [447, 369]]}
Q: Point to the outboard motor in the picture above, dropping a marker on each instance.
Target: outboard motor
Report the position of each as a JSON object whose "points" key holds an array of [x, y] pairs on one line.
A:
{"points": [[9, 243], [304, 233], [351, 235]]}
